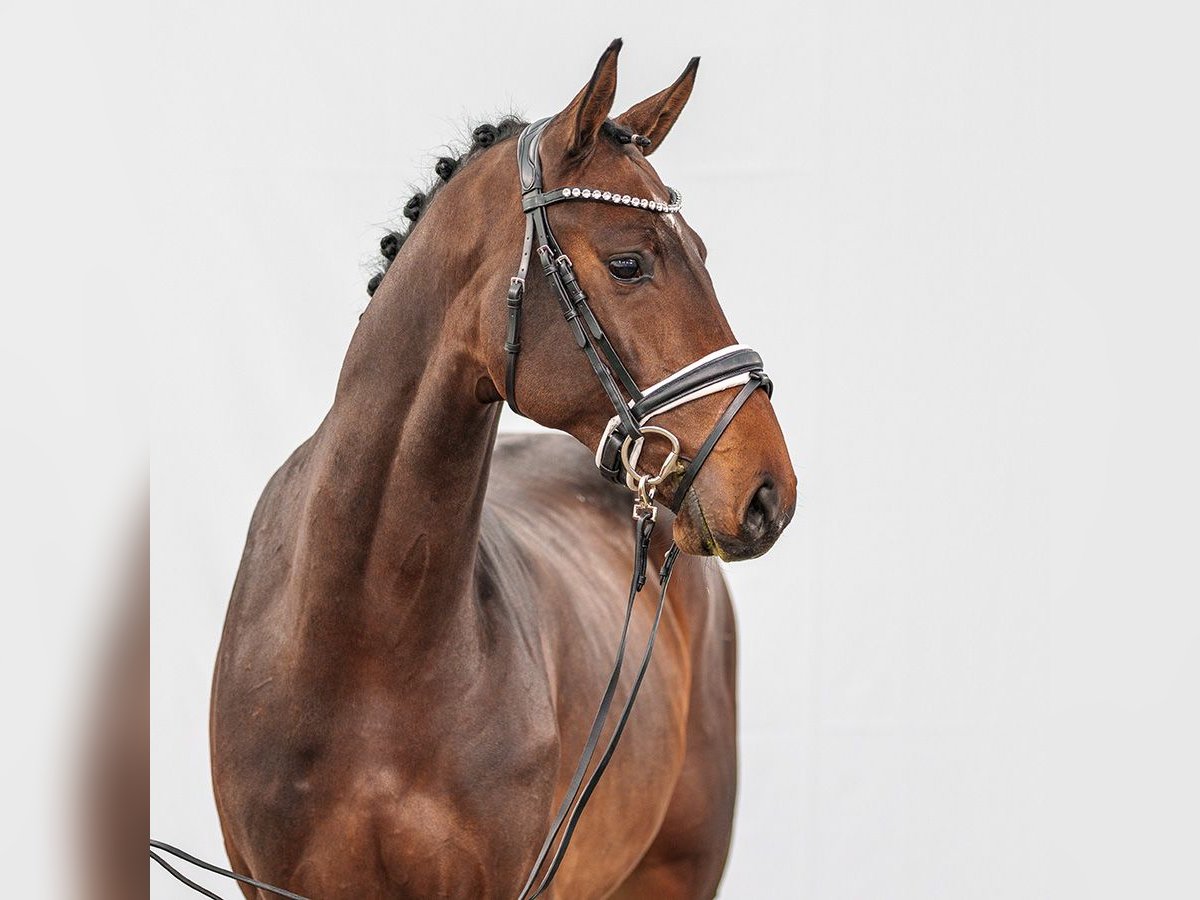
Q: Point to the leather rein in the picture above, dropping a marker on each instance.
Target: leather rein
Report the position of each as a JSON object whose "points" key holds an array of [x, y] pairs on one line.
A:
{"points": [[617, 455]]}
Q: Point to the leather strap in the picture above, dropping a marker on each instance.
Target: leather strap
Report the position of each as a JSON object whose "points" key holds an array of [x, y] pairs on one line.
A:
{"points": [[757, 380], [516, 294], [576, 799], [529, 167], [528, 161], [196, 861], [741, 362], [537, 199], [594, 332]]}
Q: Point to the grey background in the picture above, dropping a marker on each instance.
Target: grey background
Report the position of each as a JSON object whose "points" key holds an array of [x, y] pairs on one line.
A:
{"points": [[969, 668]]}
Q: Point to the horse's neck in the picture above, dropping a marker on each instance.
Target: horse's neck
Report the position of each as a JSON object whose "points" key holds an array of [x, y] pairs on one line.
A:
{"points": [[398, 473]]}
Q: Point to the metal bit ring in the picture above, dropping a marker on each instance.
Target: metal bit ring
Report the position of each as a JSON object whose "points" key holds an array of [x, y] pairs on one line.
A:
{"points": [[631, 450]]}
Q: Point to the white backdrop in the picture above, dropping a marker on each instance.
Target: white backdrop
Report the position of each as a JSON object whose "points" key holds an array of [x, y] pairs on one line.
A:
{"points": [[970, 667]]}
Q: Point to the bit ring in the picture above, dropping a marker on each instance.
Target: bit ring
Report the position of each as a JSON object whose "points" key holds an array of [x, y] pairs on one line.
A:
{"points": [[631, 451]]}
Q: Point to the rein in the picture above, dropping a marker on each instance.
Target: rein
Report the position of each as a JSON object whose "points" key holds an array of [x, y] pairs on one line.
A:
{"points": [[617, 455]]}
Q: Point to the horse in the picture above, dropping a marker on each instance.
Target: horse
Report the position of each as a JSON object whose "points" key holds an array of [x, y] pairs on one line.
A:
{"points": [[425, 612]]}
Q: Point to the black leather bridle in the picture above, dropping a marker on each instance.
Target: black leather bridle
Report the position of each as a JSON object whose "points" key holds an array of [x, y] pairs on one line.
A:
{"points": [[617, 455], [718, 371]]}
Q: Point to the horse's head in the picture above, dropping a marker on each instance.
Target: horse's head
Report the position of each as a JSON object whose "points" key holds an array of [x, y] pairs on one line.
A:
{"points": [[646, 282]]}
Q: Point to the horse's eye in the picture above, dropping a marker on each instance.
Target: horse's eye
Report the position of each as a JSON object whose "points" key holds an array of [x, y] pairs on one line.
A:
{"points": [[625, 268]]}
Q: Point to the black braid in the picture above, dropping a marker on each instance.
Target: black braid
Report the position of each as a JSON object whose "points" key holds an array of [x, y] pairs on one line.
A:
{"points": [[390, 244], [412, 209], [485, 135], [623, 135], [482, 137]]}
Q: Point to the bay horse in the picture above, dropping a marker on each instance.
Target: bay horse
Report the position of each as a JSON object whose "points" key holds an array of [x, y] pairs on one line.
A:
{"points": [[424, 614]]}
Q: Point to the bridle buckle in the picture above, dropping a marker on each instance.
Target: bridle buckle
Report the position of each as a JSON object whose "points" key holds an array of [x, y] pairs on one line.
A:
{"points": [[643, 501], [516, 289]]}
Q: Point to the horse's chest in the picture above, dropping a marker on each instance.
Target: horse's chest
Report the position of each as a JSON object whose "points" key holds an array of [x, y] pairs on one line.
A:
{"points": [[461, 792]]}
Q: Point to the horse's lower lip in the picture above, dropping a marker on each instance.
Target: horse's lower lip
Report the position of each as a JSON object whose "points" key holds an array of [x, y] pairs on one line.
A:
{"points": [[737, 551], [692, 512]]}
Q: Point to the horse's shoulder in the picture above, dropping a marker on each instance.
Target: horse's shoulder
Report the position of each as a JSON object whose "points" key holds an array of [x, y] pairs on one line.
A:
{"points": [[553, 534]]}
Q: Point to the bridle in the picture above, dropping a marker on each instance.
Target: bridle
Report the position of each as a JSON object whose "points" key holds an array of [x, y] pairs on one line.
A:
{"points": [[620, 444], [617, 455]]}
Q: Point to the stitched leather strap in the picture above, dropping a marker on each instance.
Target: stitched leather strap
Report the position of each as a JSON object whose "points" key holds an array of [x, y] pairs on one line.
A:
{"points": [[719, 371], [537, 199], [530, 169], [528, 161], [516, 294], [594, 332], [741, 362], [757, 381]]}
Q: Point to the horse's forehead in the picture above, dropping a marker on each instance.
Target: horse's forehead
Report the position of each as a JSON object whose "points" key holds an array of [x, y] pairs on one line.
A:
{"points": [[654, 180], [620, 166]]}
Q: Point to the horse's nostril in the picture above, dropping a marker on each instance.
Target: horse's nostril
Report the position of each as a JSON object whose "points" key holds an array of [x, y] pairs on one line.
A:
{"points": [[762, 511]]}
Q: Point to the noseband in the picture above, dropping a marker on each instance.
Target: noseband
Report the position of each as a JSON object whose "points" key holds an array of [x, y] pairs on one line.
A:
{"points": [[620, 444]]}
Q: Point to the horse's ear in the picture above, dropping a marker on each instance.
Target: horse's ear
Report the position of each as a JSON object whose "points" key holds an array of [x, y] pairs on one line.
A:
{"points": [[578, 126], [654, 116]]}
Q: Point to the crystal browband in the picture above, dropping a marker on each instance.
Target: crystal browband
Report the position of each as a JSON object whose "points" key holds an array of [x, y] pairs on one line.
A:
{"points": [[536, 199]]}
